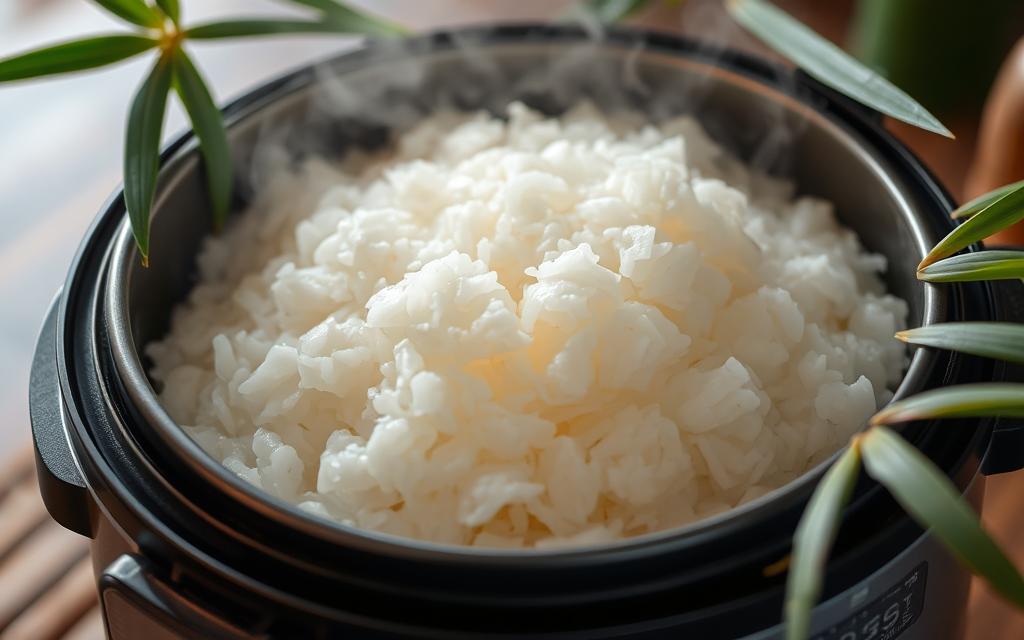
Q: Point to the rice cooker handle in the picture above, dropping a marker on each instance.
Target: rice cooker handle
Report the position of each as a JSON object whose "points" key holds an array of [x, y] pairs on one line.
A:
{"points": [[138, 603], [60, 481], [1006, 450]]}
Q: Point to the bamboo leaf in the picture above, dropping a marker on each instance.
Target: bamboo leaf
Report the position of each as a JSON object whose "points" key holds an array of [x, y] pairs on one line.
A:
{"points": [[961, 401], [320, 5], [259, 27], [928, 495], [610, 11], [90, 53], [134, 11], [1000, 340], [813, 539], [1002, 212], [980, 265], [209, 127], [141, 152], [171, 9], [350, 19], [974, 206], [829, 64]]}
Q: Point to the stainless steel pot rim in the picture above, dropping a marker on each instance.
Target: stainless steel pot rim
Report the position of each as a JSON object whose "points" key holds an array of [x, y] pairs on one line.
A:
{"points": [[142, 395]]}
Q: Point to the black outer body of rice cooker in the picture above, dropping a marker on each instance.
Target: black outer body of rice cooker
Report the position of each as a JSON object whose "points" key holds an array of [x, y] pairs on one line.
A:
{"points": [[262, 579]]}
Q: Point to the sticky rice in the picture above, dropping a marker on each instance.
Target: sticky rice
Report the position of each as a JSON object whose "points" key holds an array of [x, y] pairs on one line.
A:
{"points": [[530, 332]]}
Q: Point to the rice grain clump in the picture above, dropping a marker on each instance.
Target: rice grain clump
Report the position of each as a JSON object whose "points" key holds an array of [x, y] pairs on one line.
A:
{"points": [[530, 332]]}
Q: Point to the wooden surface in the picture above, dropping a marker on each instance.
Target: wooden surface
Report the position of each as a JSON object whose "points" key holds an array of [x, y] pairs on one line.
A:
{"points": [[47, 589], [60, 155]]}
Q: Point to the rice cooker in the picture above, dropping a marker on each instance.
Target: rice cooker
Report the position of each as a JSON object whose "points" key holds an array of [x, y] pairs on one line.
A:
{"points": [[184, 549]]}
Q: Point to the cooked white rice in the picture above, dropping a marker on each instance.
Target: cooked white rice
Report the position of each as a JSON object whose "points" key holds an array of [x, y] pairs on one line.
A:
{"points": [[530, 332]]}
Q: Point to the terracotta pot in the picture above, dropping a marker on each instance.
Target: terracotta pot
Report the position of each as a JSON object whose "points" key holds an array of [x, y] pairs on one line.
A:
{"points": [[1000, 153]]}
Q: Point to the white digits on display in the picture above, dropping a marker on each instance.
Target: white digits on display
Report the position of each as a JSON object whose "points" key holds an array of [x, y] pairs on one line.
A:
{"points": [[891, 616], [870, 629]]}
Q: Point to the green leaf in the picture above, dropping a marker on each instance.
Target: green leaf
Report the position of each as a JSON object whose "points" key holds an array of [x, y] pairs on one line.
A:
{"points": [[259, 27], [141, 150], [1000, 340], [829, 64], [351, 20], [610, 11], [171, 9], [961, 401], [813, 539], [974, 206], [1002, 212], [980, 265], [320, 5], [134, 11], [928, 495], [73, 56], [209, 127]]}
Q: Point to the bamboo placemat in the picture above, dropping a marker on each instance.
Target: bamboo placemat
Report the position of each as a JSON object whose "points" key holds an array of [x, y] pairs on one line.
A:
{"points": [[47, 590]]}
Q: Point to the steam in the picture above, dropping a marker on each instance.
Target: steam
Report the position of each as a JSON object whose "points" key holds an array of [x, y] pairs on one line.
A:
{"points": [[363, 103]]}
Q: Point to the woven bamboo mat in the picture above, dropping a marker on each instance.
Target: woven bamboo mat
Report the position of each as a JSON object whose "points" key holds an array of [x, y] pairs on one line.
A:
{"points": [[47, 590]]}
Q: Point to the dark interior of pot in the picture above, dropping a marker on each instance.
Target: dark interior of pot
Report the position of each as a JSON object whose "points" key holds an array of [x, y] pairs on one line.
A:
{"points": [[351, 103]]}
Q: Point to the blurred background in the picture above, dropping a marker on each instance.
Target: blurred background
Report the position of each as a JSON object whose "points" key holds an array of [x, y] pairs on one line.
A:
{"points": [[60, 154]]}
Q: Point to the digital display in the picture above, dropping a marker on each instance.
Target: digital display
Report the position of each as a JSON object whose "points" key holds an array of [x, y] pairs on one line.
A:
{"points": [[889, 615]]}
